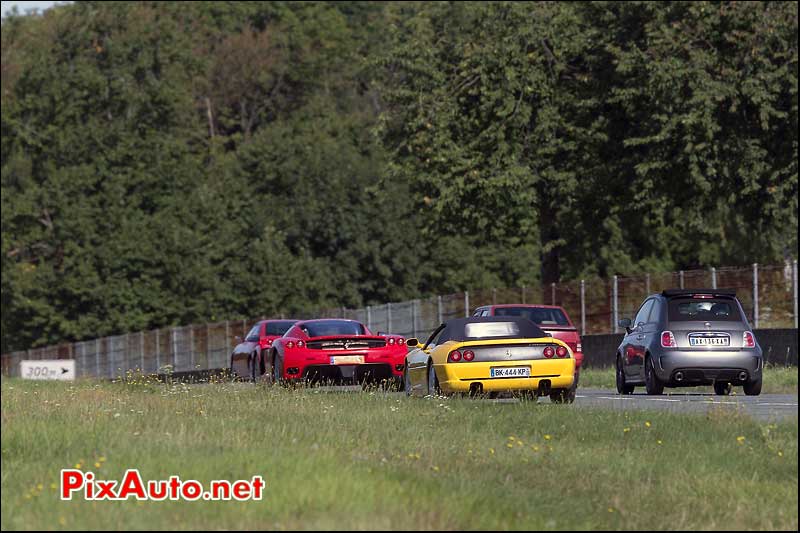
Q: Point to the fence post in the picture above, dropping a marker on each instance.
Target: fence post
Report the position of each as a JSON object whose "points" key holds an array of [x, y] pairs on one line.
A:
{"points": [[794, 286], [647, 284], [208, 346], [97, 358], [141, 349], [553, 293], [158, 352], [680, 275], [389, 317], [494, 296], [583, 307], [439, 308], [614, 306], [414, 316], [755, 295], [713, 278], [466, 303], [128, 358], [191, 346], [175, 349], [523, 293]]}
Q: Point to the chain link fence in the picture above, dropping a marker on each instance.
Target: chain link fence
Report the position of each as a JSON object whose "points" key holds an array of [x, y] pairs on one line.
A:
{"points": [[767, 293]]}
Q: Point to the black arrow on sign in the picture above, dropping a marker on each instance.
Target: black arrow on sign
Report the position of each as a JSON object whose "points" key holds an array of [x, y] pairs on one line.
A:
{"points": [[64, 370]]}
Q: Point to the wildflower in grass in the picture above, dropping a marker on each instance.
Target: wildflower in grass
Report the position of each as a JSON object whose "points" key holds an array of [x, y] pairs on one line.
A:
{"points": [[610, 509], [547, 437], [491, 451], [509, 445], [97, 465], [647, 424], [435, 468], [780, 453], [102, 459], [62, 520], [53, 486], [626, 430], [78, 466], [659, 441], [740, 439]]}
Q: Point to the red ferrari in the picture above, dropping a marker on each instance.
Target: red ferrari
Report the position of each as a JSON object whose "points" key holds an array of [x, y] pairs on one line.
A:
{"points": [[336, 351]]}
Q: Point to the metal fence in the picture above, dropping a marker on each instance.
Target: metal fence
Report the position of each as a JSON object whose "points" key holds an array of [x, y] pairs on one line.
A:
{"points": [[768, 295]]}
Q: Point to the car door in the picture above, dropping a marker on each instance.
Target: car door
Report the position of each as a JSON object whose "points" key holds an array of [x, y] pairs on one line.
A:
{"points": [[633, 344], [417, 361]]}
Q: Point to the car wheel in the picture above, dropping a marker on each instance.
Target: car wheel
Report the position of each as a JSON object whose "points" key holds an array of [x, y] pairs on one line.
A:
{"points": [[277, 370], [753, 388], [433, 382], [651, 382], [622, 387], [722, 388], [406, 381], [253, 363], [563, 395]]}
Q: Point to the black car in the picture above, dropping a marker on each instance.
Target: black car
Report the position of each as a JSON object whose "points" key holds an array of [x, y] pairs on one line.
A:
{"points": [[684, 338]]}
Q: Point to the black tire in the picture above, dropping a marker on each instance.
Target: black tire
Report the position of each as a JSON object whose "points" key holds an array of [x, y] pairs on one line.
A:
{"points": [[722, 388], [622, 387], [753, 388], [406, 381], [277, 370], [252, 364], [563, 395], [653, 385], [433, 382]]}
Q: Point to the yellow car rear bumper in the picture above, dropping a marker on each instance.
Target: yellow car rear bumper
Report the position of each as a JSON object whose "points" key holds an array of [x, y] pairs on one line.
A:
{"points": [[458, 377]]}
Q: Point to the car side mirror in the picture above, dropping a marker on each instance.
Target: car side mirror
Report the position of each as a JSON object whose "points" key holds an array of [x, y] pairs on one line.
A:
{"points": [[237, 339], [625, 323], [413, 341]]}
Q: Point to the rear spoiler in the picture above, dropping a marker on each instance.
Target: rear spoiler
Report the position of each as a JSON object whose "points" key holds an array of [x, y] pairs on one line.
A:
{"points": [[671, 293]]}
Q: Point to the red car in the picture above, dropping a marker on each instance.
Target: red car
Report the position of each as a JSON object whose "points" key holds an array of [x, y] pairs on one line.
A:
{"points": [[247, 359], [336, 351], [550, 318]]}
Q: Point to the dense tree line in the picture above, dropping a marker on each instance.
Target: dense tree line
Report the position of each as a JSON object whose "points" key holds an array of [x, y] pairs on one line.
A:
{"points": [[167, 163]]}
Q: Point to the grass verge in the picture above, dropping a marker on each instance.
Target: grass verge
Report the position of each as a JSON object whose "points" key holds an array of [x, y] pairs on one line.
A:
{"points": [[381, 461], [777, 380]]}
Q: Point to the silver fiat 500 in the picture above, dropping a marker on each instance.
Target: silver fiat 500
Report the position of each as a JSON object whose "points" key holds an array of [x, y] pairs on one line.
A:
{"points": [[684, 338]]}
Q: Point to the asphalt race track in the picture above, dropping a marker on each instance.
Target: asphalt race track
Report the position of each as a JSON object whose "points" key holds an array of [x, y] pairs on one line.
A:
{"points": [[764, 407]]}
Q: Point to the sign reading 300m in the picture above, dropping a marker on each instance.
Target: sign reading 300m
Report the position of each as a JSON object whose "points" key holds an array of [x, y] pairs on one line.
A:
{"points": [[62, 369]]}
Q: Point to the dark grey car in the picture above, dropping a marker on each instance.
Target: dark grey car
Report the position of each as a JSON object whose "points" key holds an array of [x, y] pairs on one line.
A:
{"points": [[684, 338]]}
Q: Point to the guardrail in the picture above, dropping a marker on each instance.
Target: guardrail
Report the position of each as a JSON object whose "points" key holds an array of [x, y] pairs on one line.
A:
{"points": [[768, 294]]}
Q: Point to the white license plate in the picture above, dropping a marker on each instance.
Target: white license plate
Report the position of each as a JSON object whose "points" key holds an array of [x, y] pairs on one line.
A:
{"points": [[347, 359], [709, 341], [510, 372]]}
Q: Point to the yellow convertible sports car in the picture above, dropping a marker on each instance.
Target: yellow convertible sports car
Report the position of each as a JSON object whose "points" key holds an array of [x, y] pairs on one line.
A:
{"points": [[490, 355]]}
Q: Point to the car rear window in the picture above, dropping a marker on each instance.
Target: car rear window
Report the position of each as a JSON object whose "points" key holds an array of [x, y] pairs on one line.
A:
{"points": [[278, 328], [333, 327], [542, 316], [705, 309]]}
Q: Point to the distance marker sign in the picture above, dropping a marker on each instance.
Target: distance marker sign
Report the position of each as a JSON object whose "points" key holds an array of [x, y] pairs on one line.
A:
{"points": [[60, 369]]}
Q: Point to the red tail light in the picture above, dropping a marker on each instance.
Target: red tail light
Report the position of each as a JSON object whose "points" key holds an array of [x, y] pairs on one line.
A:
{"points": [[549, 352], [748, 341], [391, 341], [401, 341], [668, 339], [300, 344], [469, 355], [290, 344], [578, 347], [562, 352], [454, 357]]}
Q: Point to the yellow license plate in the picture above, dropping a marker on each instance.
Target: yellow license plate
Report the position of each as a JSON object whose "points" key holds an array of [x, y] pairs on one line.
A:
{"points": [[347, 359]]}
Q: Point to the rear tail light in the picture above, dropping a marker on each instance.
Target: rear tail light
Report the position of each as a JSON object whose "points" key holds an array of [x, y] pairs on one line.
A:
{"points": [[300, 344], [748, 341], [391, 341], [401, 341], [290, 344], [549, 352], [454, 357], [469, 355], [668, 339], [562, 352], [579, 347]]}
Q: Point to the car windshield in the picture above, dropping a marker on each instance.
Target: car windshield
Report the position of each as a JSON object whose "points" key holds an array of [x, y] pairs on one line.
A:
{"points": [[544, 316], [278, 328], [706, 309], [482, 330], [325, 328]]}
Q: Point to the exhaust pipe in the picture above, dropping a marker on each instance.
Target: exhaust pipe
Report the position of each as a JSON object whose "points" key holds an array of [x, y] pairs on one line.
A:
{"points": [[544, 387], [743, 376], [679, 376], [476, 389]]}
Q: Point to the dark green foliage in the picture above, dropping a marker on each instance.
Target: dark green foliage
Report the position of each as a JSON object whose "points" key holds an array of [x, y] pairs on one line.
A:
{"points": [[166, 163]]}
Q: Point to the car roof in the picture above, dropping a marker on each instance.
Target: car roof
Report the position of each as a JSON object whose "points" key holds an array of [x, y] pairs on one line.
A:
{"points": [[311, 320], [539, 306], [455, 328], [671, 293]]}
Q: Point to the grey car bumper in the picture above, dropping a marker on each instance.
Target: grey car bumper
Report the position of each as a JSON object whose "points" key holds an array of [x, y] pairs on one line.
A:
{"points": [[697, 366]]}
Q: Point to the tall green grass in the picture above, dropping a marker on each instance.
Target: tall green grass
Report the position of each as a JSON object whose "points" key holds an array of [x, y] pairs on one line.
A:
{"points": [[344, 460]]}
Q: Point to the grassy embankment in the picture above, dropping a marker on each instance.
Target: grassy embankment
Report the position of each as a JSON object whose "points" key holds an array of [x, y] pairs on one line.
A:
{"points": [[373, 460]]}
